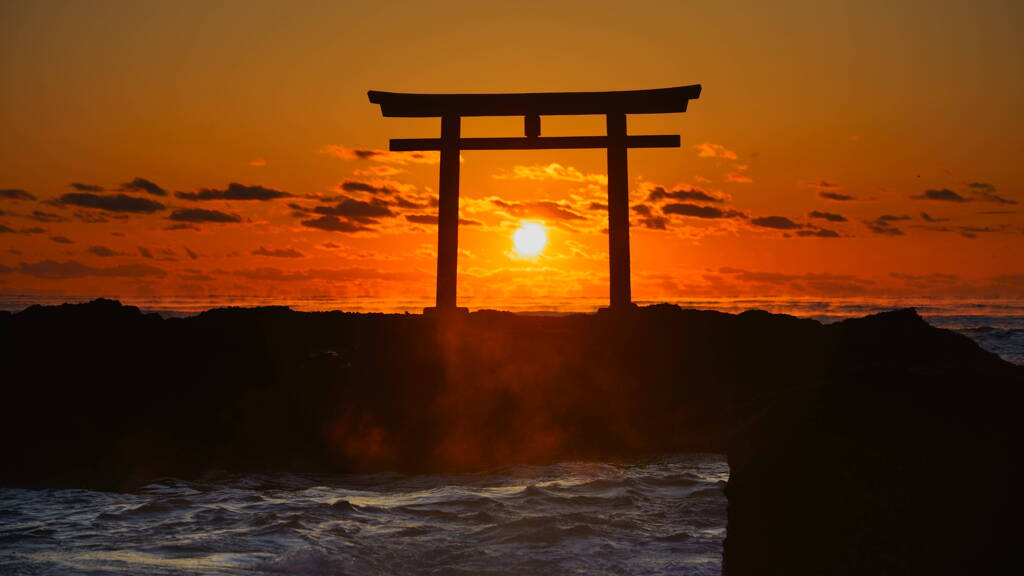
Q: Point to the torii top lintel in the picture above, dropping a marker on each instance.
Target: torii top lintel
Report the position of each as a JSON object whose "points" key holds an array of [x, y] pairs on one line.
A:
{"points": [[658, 101]]}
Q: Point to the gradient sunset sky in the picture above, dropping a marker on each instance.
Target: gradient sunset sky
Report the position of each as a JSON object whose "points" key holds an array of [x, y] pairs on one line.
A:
{"points": [[198, 148]]}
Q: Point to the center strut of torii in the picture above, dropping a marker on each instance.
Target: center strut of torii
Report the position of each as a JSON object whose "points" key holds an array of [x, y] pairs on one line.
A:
{"points": [[613, 105]]}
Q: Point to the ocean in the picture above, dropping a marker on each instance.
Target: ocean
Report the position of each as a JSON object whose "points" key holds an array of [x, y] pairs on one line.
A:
{"points": [[659, 516], [662, 515]]}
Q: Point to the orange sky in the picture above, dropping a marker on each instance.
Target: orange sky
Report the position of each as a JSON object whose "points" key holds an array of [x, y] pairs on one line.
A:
{"points": [[182, 149]]}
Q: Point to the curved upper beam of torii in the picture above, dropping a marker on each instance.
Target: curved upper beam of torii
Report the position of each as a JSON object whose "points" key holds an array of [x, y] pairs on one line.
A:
{"points": [[613, 105]]}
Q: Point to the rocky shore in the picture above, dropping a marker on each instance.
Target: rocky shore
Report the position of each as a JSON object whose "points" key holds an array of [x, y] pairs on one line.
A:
{"points": [[905, 435]]}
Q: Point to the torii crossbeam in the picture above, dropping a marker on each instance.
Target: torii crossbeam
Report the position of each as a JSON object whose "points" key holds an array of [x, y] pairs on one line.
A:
{"points": [[613, 105]]}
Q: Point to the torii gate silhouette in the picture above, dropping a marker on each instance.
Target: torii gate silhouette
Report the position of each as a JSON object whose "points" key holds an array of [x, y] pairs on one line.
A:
{"points": [[613, 105]]}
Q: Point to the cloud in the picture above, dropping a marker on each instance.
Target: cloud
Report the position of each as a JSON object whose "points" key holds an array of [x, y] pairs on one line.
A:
{"points": [[973, 231], [817, 232], [553, 171], [431, 220], [382, 156], [258, 162], [41, 216], [428, 219], [658, 193], [402, 202], [883, 224], [837, 196], [62, 239], [987, 192], [695, 211], [927, 218], [544, 209], [143, 185], [86, 215], [334, 224], [116, 203], [648, 219], [886, 218], [597, 206], [377, 187], [926, 281], [6, 229], [235, 191], [1011, 281], [757, 277], [709, 150], [73, 269], [654, 222], [827, 216], [196, 215], [325, 274], [86, 187], [194, 275], [965, 231], [104, 252], [358, 210], [279, 252], [944, 195], [16, 194], [738, 178], [191, 254], [144, 252], [776, 222], [809, 283], [378, 170]]}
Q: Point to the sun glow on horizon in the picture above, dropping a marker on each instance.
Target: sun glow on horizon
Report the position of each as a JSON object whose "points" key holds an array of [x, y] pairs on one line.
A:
{"points": [[530, 238]]}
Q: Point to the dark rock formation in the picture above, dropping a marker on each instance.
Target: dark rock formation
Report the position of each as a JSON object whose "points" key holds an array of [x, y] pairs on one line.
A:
{"points": [[879, 445], [873, 446]]}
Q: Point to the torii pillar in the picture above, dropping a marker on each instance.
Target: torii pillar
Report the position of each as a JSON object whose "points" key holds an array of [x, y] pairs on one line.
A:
{"points": [[450, 108]]}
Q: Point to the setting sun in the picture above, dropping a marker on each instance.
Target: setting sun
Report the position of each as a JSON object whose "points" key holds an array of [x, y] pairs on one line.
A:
{"points": [[530, 238]]}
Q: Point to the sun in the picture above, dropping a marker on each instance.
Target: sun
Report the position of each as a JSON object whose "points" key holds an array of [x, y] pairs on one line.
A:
{"points": [[530, 238]]}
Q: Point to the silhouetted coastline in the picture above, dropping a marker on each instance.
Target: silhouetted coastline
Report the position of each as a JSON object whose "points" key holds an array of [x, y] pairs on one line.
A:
{"points": [[905, 432]]}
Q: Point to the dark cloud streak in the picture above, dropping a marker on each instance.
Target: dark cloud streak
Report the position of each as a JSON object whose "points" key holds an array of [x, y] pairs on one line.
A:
{"points": [[118, 203], [776, 222], [197, 215], [234, 191], [837, 196], [16, 194], [86, 187], [827, 216], [143, 185], [942, 195], [695, 211], [334, 224]]}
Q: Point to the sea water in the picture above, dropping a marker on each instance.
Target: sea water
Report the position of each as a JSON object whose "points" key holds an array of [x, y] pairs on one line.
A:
{"points": [[663, 515]]}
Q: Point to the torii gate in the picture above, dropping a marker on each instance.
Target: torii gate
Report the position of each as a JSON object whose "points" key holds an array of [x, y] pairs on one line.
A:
{"points": [[613, 105]]}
